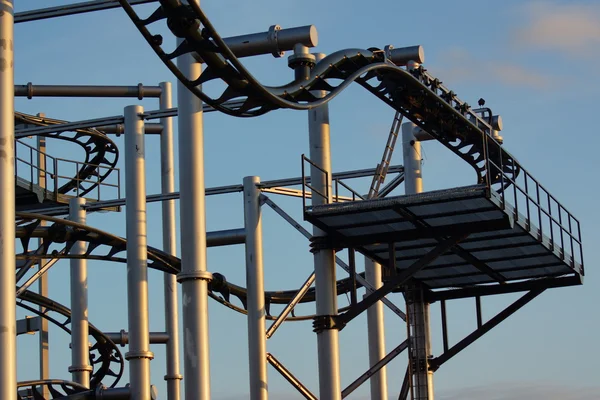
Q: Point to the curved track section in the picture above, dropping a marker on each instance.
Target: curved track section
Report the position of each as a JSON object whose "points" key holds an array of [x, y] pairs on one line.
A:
{"points": [[417, 95], [105, 357], [101, 153], [58, 389], [107, 247]]}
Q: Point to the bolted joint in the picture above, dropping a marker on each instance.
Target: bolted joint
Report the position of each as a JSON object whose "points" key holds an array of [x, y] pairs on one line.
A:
{"points": [[132, 355], [195, 275], [182, 21], [323, 322], [301, 57]]}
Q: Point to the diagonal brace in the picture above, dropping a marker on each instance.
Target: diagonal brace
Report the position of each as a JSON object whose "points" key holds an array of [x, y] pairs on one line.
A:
{"points": [[342, 319], [436, 362]]}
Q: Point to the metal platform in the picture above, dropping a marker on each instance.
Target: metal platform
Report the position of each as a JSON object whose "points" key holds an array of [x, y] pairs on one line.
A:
{"points": [[501, 245]]}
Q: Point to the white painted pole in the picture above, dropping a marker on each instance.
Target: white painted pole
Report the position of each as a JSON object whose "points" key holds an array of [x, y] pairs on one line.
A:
{"points": [[139, 354], [376, 333], [417, 310], [8, 323], [167, 175], [44, 339], [80, 366], [257, 338], [194, 276], [325, 274]]}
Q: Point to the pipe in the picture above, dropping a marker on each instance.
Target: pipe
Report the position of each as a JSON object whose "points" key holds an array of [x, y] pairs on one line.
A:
{"points": [[403, 55], [167, 176], [139, 354], [257, 339], [119, 129], [376, 333], [122, 337], [275, 41], [416, 308], [8, 320], [324, 259], [194, 277], [140, 91], [44, 338], [80, 366]]}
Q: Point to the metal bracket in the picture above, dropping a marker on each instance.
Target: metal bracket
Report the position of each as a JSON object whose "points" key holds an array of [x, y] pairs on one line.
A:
{"points": [[323, 322]]}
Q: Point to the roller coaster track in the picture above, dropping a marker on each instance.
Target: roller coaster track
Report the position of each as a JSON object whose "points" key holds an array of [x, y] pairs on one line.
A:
{"points": [[101, 153], [107, 247], [414, 93], [58, 389], [105, 357]]}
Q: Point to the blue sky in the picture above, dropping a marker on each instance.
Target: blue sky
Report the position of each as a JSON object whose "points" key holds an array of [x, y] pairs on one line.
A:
{"points": [[535, 63]]}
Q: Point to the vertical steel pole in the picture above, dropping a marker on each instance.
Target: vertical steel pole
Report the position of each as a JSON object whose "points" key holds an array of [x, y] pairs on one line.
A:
{"points": [[8, 324], [43, 280], [376, 333], [417, 309], [167, 174], [139, 354], [325, 274], [194, 277], [257, 338], [80, 367]]}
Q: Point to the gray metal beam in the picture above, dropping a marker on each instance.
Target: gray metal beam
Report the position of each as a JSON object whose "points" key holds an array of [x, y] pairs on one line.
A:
{"points": [[139, 91]]}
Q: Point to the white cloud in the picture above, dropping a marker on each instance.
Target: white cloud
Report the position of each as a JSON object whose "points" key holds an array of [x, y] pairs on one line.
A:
{"points": [[572, 28], [460, 65]]}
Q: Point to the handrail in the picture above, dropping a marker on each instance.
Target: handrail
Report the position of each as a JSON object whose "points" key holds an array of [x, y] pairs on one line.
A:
{"points": [[53, 168]]}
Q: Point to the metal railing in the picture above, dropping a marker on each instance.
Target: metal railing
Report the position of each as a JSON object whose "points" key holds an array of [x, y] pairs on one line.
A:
{"points": [[528, 201], [62, 176], [336, 184]]}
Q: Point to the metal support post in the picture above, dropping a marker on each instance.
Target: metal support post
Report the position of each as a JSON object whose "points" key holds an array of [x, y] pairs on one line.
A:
{"points": [[8, 320], [43, 280], [167, 174], [80, 366], [194, 277], [325, 276], [376, 333], [257, 338], [139, 354], [417, 309]]}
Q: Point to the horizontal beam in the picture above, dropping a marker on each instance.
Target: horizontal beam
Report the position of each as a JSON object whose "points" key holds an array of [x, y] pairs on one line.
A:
{"points": [[99, 205], [28, 325], [122, 337], [139, 91], [490, 290], [72, 9]]}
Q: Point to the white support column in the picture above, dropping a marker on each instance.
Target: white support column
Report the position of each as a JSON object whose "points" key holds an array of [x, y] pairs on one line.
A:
{"points": [[8, 323], [80, 366], [139, 354], [376, 333], [257, 338], [44, 340], [417, 309], [194, 276], [167, 174], [325, 274]]}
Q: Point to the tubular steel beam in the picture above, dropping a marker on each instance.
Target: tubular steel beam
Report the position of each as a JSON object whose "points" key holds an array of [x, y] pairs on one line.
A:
{"points": [[167, 182], [139, 354], [139, 91], [485, 328], [257, 340], [392, 284], [376, 367], [288, 376], [290, 306], [8, 319], [122, 338]]}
